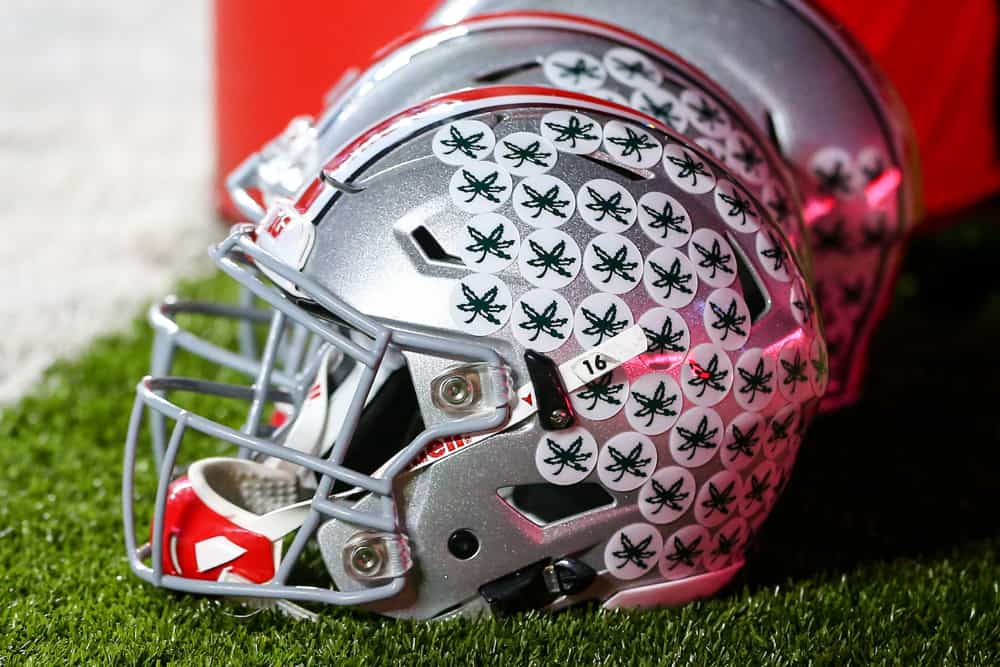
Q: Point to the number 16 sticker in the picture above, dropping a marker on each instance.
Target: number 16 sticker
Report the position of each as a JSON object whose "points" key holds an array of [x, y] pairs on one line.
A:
{"points": [[610, 354]]}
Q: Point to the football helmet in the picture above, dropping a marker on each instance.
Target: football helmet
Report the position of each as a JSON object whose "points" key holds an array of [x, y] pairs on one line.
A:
{"points": [[569, 373], [830, 114]]}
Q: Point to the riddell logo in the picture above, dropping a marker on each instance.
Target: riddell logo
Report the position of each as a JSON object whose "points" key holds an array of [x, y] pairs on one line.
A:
{"points": [[278, 225], [438, 449]]}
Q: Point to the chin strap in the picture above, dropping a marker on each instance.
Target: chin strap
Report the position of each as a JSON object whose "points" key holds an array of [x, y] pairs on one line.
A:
{"points": [[286, 607], [307, 428], [318, 423], [537, 585]]}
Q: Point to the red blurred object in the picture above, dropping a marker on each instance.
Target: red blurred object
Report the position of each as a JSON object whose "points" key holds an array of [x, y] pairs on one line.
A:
{"points": [[941, 57], [275, 59], [278, 59]]}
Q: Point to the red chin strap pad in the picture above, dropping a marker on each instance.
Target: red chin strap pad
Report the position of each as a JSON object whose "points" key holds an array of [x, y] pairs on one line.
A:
{"points": [[195, 537]]}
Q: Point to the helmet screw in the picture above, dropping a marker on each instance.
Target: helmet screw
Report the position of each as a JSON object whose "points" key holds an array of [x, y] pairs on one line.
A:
{"points": [[366, 559], [455, 390], [559, 417]]}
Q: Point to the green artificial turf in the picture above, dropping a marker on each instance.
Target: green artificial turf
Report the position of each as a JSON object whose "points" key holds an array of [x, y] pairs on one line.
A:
{"points": [[884, 548]]}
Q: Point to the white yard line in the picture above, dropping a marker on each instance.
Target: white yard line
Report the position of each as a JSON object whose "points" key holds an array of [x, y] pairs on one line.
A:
{"points": [[105, 168]]}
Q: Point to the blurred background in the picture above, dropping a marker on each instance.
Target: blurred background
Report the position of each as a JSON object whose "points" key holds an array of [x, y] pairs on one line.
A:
{"points": [[106, 161]]}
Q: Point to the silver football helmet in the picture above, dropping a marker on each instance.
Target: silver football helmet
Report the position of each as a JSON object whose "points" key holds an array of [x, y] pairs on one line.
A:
{"points": [[830, 114], [568, 373]]}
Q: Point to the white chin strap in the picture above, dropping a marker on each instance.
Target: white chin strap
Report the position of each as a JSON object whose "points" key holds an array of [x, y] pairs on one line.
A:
{"points": [[320, 419]]}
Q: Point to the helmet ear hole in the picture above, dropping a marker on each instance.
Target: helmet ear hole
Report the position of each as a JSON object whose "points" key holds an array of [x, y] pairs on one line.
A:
{"points": [[463, 544]]}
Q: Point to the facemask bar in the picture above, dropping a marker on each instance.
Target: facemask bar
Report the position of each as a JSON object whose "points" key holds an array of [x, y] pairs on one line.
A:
{"points": [[370, 354], [295, 347]]}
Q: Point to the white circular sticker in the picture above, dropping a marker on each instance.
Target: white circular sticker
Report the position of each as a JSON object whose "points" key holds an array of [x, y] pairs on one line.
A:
{"points": [[612, 263], [683, 552], [781, 430], [735, 208], [661, 105], [655, 401], [463, 141], [820, 366], [664, 219], [667, 338], [480, 187], [490, 243], [746, 158], [480, 304], [696, 437], [542, 320], [633, 551], [566, 457], [606, 206], [632, 68], [756, 379], [525, 153], [726, 319], [572, 132], [713, 147], [631, 145], [713, 258], [718, 499], [793, 371], [667, 495], [872, 163], [759, 490], [549, 258], [772, 255], [600, 317], [777, 202], [744, 436], [626, 461], [707, 375], [603, 397], [670, 278], [802, 304], [727, 544], [707, 115], [574, 70], [688, 170], [543, 201], [834, 172]]}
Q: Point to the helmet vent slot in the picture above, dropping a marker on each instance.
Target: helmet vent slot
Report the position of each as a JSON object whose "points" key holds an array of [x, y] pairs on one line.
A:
{"points": [[757, 298], [546, 504], [772, 133], [603, 159], [430, 248], [502, 73]]}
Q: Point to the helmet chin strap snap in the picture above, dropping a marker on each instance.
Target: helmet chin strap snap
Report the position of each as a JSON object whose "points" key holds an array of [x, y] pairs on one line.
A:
{"points": [[537, 585], [555, 411]]}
